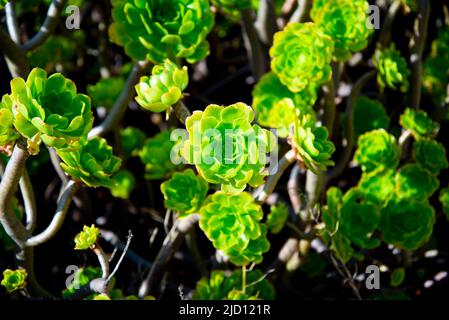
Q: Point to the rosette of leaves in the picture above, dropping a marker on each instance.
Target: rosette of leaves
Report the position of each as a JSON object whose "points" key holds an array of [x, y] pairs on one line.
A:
{"points": [[377, 150], [418, 123], [312, 144], [277, 218], [369, 115], [407, 223], [412, 180], [444, 199], [277, 107], [431, 155], [435, 74], [232, 223], [14, 279], [155, 154], [8, 134], [377, 186], [93, 163], [345, 21], [163, 88], [184, 192], [359, 219], [301, 56], [226, 148], [160, 29], [392, 69], [49, 108], [132, 141], [106, 91], [87, 238], [123, 184], [221, 284]]}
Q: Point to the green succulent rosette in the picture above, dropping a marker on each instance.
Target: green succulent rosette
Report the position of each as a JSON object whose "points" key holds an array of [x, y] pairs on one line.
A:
{"points": [[412, 180], [223, 285], [87, 238], [106, 91], [431, 155], [369, 115], [226, 147], [378, 186], [277, 218], [164, 88], [232, 223], [377, 150], [155, 154], [419, 123], [301, 56], [407, 223], [92, 164], [133, 140], [8, 134], [444, 199], [435, 74], [184, 192], [160, 29], [3, 3], [14, 279], [345, 21], [312, 144], [50, 109], [277, 107], [359, 219], [392, 69], [123, 184]]}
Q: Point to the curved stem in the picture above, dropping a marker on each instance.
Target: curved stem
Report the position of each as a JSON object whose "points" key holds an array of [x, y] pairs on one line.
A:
{"points": [[119, 108], [385, 34], [349, 125], [103, 260], [293, 189], [171, 244], [48, 27], [56, 223], [419, 41], [14, 56], [11, 22], [302, 12], [272, 180], [181, 112], [253, 45], [29, 201], [266, 21], [330, 109], [13, 172]]}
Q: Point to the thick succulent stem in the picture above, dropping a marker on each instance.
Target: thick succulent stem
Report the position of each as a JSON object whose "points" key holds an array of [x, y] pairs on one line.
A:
{"points": [[253, 45], [385, 33], [64, 202], [266, 21], [302, 12], [416, 57], [14, 56], [170, 245], [48, 27], [29, 201], [349, 125], [119, 107]]}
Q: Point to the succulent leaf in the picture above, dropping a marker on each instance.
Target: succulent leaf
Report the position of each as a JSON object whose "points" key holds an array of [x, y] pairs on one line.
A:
{"points": [[8, 134], [159, 29], [419, 123], [431, 155], [163, 88], [277, 218], [123, 184], [412, 180], [184, 192], [369, 115], [87, 238], [301, 56], [133, 140]]}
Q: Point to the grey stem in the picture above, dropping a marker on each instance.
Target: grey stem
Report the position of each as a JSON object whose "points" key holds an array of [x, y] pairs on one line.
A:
{"points": [[48, 27], [55, 225], [266, 21], [171, 244], [119, 108], [29, 200]]}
